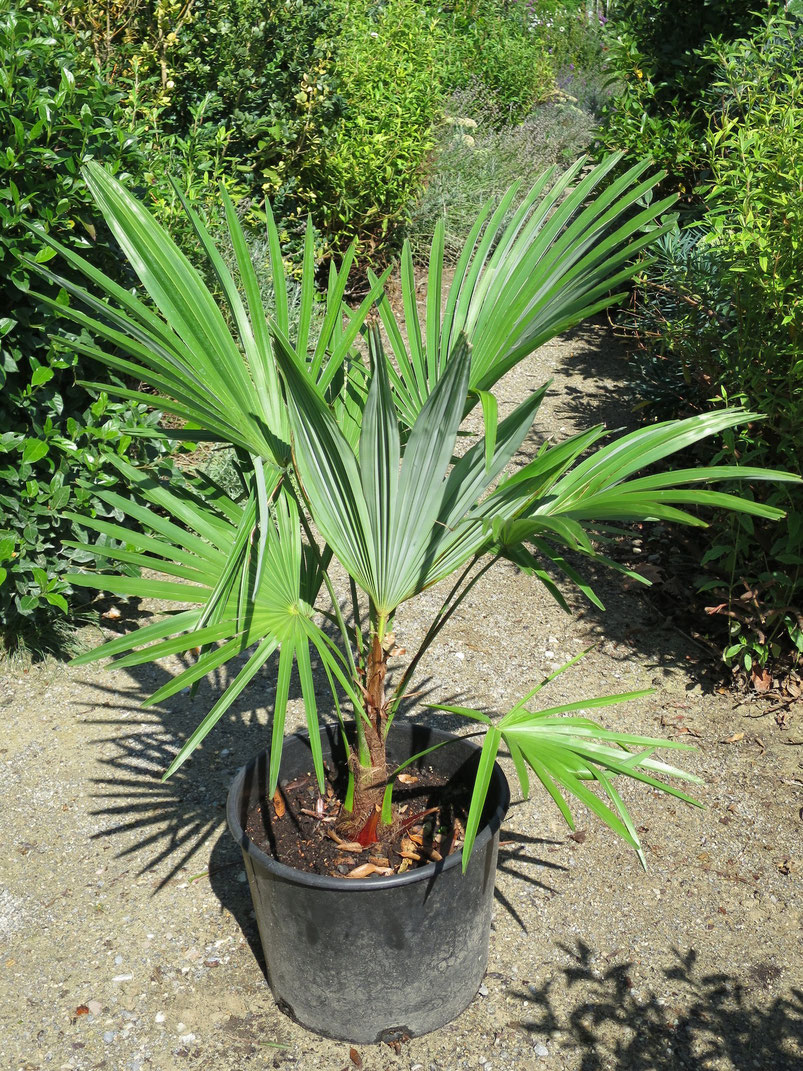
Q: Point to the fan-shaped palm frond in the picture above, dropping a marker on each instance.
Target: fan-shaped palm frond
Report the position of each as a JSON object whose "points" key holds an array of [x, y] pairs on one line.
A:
{"points": [[208, 548]]}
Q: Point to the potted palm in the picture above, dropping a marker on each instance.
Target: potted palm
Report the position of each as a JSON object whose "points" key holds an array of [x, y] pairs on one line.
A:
{"points": [[354, 501]]}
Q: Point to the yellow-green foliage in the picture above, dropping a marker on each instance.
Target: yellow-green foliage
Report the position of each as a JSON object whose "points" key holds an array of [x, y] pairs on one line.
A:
{"points": [[389, 78]]}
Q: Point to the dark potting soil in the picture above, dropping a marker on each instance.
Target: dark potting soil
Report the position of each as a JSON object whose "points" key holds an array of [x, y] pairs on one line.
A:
{"points": [[297, 826]]}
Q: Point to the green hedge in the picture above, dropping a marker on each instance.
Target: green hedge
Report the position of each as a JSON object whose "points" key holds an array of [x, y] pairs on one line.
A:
{"points": [[56, 435]]}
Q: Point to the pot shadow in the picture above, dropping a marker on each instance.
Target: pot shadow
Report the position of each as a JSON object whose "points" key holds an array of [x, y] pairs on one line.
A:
{"points": [[690, 1020], [167, 823], [227, 880]]}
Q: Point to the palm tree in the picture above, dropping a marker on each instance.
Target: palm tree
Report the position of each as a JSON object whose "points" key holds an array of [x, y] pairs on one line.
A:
{"points": [[354, 462]]}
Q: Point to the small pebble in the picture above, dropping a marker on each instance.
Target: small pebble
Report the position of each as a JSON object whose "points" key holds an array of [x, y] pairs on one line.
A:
{"points": [[540, 1049], [159, 1017], [109, 1037], [483, 990]]}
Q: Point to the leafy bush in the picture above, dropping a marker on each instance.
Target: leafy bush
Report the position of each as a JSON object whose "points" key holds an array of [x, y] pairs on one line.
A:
{"points": [[756, 221], [387, 63], [658, 63], [263, 71], [724, 307], [493, 45], [56, 436], [671, 36]]}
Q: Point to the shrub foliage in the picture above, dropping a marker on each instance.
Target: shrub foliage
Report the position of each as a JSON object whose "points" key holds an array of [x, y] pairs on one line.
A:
{"points": [[721, 311], [55, 435]]}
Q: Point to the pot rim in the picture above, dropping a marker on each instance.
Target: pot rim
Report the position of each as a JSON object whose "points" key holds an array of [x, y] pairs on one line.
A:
{"points": [[325, 881]]}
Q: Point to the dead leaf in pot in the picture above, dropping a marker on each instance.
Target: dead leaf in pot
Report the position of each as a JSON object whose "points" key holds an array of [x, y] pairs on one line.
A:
{"points": [[81, 1010], [733, 739], [278, 804], [344, 845], [407, 779], [356, 1059], [365, 870]]}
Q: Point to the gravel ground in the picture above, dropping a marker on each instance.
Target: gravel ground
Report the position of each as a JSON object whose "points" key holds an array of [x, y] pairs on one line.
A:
{"points": [[127, 940]]}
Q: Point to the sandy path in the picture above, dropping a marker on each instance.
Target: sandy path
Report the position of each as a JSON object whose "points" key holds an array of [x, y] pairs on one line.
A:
{"points": [[125, 896]]}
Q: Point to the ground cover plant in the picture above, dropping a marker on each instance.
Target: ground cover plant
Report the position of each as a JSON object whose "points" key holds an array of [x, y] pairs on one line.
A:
{"points": [[353, 463]]}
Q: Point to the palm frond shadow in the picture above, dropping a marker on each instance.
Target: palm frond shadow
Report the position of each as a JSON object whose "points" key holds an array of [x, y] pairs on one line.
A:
{"points": [[167, 823], [691, 1019], [595, 389], [596, 354], [511, 856], [634, 621]]}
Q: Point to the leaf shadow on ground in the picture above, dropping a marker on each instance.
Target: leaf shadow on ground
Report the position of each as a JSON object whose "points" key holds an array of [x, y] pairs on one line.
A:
{"points": [[689, 1020]]}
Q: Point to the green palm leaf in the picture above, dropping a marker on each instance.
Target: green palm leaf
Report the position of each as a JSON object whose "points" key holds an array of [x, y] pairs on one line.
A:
{"points": [[211, 560], [568, 752], [517, 284]]}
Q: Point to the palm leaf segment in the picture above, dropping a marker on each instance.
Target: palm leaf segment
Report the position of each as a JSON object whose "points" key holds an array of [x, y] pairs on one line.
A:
{"points": [[205, 544], [223, 382], [566, 751], [399, 521], [527, 272]]}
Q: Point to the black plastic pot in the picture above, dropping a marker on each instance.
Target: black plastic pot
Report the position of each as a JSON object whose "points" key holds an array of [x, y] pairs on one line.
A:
{"points": [[373, 959]]}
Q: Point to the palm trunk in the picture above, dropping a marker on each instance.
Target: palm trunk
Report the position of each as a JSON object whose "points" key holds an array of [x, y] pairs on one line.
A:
{"points": [[368, 760]]}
